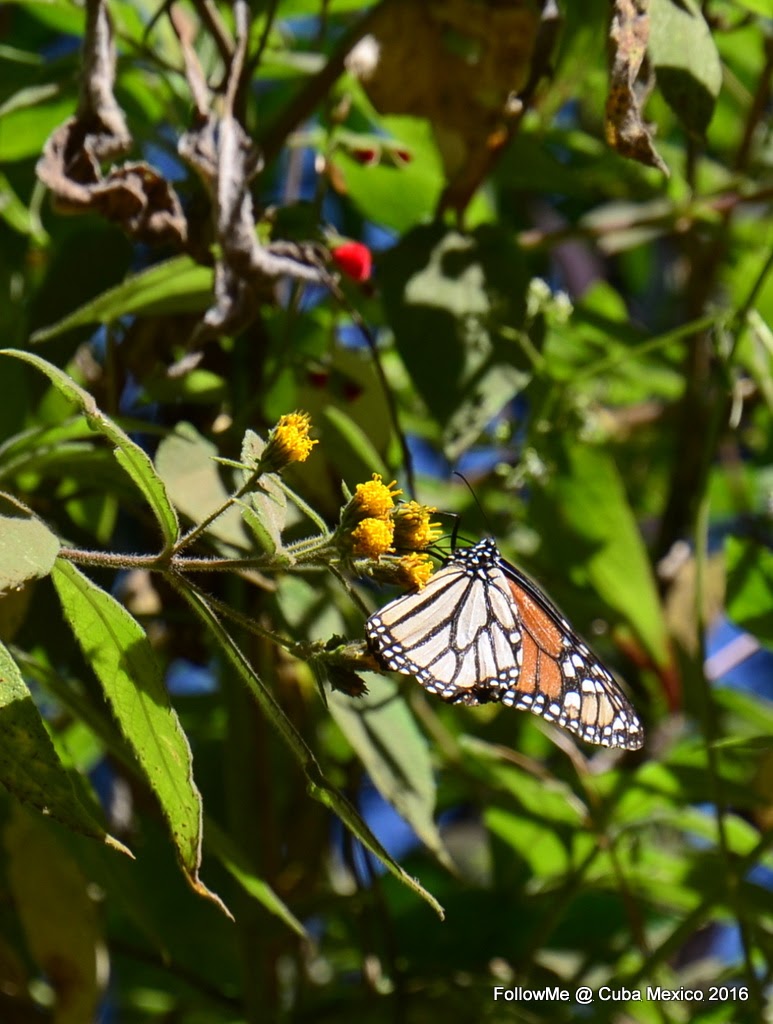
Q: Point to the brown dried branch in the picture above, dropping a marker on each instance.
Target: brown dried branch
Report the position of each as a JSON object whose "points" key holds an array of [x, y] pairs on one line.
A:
{"points": [[227, 160], [210, 16], [194, 73]]}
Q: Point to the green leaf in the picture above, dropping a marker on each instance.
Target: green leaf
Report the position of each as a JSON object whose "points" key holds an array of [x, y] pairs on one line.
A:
{"points": [[44, 436], [762, 7], [485, 397], [17, 216], [749, 715], [177, 285], [386, 738], [687, 65], [184, 462], [596, 533], [300, 8], [449, 298], [51, 894], [199, 387], [354, 439], [51, 449], [238, 866], [749, 595], [318, 785], [397, 196], [534, 842], [129, 455], [29, 765], [28, 548], [55, 14], [355, 455], [542, 797], [29, 117], [116, 647]]}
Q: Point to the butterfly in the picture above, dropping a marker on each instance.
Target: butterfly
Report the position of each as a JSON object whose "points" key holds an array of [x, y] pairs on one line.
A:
{"points": [[481, 631]]}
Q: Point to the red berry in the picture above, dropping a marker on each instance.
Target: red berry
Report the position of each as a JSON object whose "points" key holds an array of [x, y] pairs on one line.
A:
{"points": [[353, 259]]}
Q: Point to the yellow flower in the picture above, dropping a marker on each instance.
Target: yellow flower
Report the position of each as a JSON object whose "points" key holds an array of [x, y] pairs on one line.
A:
{"points": [[292, 434], [410, 571], [375, 499], [372, 537], [413, 529], [414, 570], [288, 442]]}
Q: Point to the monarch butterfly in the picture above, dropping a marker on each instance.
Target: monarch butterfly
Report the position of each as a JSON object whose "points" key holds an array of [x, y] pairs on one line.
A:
{"points": [[480, 631]]}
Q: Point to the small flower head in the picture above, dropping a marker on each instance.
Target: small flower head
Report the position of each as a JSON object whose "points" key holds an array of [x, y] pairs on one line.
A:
{"points": [[372, 537], [288, 442], [414, 571], [411, 571], [362, 60], [413, 527], [375, 499]]}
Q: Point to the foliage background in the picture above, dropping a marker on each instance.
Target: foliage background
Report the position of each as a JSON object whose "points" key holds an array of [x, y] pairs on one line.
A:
{"points": [[616, 427]]}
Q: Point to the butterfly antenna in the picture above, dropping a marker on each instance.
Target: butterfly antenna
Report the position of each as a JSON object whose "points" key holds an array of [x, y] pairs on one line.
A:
{"points": [[434, 549], [486, 520]]}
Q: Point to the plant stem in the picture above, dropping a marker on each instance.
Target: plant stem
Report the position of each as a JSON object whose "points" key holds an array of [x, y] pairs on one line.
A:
{"points": [[196, 531], [165, 563], [714, 775]]}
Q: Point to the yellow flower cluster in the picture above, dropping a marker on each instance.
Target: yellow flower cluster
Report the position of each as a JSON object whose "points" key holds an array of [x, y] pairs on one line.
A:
{"points": [[373, 526]]}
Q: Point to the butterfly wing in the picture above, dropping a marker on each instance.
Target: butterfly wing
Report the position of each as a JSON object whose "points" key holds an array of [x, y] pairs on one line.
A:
{"points": [[457, 636], [561, 679], [481, 631]]}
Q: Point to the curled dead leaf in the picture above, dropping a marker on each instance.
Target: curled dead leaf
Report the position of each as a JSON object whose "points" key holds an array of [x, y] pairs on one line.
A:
{"points": [[135, 195], [630, 84]]}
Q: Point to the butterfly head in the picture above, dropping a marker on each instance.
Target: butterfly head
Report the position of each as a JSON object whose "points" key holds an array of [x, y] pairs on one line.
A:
{"points": [[478, 558]]}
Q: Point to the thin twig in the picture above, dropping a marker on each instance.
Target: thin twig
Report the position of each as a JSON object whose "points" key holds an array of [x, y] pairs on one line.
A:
{"points": [[242, 19], [194, 74], [757, 111], [349, 589], [305, 101], [254, 61], [210, 17], [714, 775], [383, 381], [195, 532], [246, 622]]}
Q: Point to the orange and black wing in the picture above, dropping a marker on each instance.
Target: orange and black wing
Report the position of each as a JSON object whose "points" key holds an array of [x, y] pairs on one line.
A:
{"points": [[480, 631], [560, 677]]}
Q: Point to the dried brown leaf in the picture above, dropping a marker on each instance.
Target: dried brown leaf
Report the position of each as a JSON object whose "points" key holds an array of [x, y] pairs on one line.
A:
{"points": [[630, 84], [134, 195]]}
